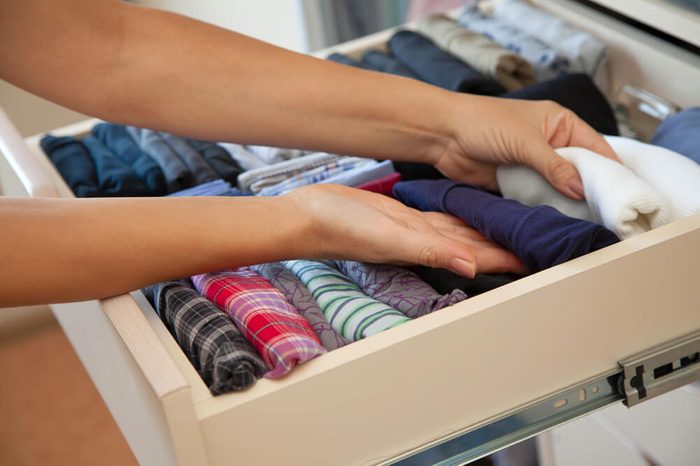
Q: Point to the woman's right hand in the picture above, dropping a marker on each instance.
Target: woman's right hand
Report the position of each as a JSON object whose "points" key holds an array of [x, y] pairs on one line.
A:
{"points": [[358, 225]]}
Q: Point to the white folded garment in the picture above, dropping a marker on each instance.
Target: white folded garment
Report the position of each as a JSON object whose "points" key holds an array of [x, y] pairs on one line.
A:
{"points": [[619, 199], [676, 177], [276, 154], [526, 185]]}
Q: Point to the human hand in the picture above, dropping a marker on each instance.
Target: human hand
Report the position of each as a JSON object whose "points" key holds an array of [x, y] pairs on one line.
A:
{"points": [[488, 131], [358, 225]]}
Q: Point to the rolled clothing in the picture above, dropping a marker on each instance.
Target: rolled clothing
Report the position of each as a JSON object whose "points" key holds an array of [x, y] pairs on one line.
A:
{"points": [[117, 139], [547, 61], [275, 329], [199, 168], [541, 237], [397, 287], [316, 175], [177, 175], [209, 339], [681, 133], [364, 173], [585, 52], [344, 60], [445, 281], [676, 177], [242, 156], [480, 52], [380, 61], [73, 162], [218, 159], [438, 67], [353, 314], [300, 297], [578, 93], [114, 177], [257, 179]]}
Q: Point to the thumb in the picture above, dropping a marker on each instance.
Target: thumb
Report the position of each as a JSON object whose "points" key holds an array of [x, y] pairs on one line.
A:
{"points": [[560, 173]]}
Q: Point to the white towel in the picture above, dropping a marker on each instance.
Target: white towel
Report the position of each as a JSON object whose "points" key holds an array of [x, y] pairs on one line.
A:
{"points": [[674, 176], [619, 199]]}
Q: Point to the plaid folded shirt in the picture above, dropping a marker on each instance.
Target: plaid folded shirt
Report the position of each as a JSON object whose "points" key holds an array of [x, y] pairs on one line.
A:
{"points": [[352, 313], [300, 297], [224, 359], [397, 287], [282, 337]]}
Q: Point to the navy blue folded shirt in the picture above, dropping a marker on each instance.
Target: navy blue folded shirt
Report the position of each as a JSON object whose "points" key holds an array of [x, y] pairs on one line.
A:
{"points": [[379, 61], [438, 67], [540, 236], [73, 163], [117, 139], [115, 178], [681, 133]]}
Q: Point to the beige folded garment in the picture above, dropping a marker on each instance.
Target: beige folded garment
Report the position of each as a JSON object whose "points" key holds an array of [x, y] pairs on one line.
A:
{"points": [[478, 51]]}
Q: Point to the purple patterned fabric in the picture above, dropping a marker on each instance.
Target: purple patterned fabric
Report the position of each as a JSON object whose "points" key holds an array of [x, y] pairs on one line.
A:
{"points": [[397, 287], [300, 297]]}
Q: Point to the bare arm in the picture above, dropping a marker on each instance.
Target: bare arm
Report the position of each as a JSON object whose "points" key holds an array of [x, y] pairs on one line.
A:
{"points": [[159, 70], [75, 249]]}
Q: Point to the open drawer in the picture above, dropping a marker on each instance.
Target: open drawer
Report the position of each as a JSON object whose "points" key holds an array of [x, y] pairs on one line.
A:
{"points": [[556, 335]]}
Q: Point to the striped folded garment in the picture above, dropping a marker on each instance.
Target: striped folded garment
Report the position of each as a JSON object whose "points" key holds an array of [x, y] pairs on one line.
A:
{"points": [[353, 314], [262, 314], [258, 178]]}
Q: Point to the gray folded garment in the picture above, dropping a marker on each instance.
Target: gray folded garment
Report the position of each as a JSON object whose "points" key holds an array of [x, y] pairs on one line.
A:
{"points": [[478, 51], [258, 178], [199, 168], [397, 287], [177, 175]]}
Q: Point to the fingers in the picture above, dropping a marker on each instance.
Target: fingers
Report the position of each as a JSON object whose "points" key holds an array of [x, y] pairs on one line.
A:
{"points": [[582, 135], [560, 173]]}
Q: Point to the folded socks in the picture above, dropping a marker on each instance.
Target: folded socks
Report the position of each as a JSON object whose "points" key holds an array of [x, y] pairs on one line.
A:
{"points": [[280, 335], [483, 54], [73, 163], [224, 359], [681, 133], [541, 236], [438, 67]]}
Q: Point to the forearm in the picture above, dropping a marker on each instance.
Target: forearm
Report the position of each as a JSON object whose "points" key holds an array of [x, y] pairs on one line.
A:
{"points": [[70, 250], [155, 69]]}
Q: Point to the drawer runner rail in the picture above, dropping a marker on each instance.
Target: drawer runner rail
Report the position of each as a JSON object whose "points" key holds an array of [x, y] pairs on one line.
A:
{"points": [[640, 378]]}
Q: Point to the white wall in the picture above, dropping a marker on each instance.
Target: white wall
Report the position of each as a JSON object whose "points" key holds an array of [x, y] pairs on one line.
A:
{"points": [[280, 22]]}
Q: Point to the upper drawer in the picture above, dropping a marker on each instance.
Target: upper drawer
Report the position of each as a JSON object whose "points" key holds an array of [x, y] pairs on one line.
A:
{"points": [[446, 372]]}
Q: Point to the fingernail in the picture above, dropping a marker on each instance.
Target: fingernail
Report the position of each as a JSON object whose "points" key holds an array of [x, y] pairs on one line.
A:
{"points": [[463, 267], [576, 187]]}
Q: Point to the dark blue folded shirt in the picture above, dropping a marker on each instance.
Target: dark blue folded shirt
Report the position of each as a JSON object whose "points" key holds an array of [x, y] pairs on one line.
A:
{"points": [[578, 93], [681, 133], [117, 139], [438, 67], [540, 236], [115, 178], [73, 163], [379, 61]]}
